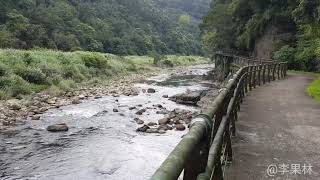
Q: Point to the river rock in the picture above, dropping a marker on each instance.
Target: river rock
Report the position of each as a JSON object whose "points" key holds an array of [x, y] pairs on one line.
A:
{"points": [[152, 130], [14, 105], [76, 101], [58, 127], [141, 111], [98, 97], [151, 90], [163, 121], [190, 98], [138, 121], [180, 127], [164, 111], [81, 96], [51, 101], [115, 110], [35, 118], [165, 127], [152, 124], [132, 108], [158, 106], [161, 131], [143, 128]]}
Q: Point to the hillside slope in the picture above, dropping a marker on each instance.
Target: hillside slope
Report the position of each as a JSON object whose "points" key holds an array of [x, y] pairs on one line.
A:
{"points": [[113, 26]]}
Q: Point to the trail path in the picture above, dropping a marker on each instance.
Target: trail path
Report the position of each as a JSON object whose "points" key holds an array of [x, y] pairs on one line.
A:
{"points": [[279, 124]]}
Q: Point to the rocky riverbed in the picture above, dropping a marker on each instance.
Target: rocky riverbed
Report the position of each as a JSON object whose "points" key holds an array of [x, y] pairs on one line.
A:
{"points": [[121, 131]]}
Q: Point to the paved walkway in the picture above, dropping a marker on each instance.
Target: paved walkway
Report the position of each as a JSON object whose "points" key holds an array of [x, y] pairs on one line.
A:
{"points": [[279, 125]]}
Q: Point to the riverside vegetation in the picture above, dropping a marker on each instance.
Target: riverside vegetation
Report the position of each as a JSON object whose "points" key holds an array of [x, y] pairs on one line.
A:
{"points": [[25, 72]]}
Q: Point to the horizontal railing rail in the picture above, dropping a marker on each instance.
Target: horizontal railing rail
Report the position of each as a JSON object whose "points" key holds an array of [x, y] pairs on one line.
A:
{"points": [[206, 149]]}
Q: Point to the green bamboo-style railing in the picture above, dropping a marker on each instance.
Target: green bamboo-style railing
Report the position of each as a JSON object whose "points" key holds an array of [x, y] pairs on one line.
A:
{"points": [[206, 149]]}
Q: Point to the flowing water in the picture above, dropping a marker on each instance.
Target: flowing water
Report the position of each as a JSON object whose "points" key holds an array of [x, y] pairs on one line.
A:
{"points": [[100, 143]]}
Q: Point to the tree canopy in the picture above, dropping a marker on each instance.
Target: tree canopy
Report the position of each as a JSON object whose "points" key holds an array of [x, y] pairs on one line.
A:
{"points": [[114, 26]]}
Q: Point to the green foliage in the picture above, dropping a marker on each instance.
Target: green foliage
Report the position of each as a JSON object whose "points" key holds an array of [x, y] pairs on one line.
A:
{"points": [[24, 72], [238, 24], [314, 89], [14, 85], [287, 53], [126, 27], [3, 70], [66, 85], [95, 61], [32, 75]]}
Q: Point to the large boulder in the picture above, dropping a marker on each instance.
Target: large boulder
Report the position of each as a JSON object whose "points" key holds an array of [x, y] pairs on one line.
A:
{"points": [[190, 98]]}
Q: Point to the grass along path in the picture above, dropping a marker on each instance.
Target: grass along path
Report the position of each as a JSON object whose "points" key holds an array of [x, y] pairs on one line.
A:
{"points": [[26, 72]]}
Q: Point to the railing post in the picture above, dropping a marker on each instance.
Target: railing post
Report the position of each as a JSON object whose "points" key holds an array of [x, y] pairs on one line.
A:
{"points": [[285, 69], [246, 81], [259, 74], [269, 68], [278, 71], [218, 173], [264, 74], [250, 77], [228, 143], [197, 162], [273, 71], [255, 76]]}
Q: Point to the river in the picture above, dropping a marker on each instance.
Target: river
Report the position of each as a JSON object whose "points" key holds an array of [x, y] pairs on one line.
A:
{"points": [[100, 143]]}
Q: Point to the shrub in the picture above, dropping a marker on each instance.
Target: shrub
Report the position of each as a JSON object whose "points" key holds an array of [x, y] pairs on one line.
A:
{"points": [[32, 75], [14, 85], [27, 58], [3, 70], [168, 63], [54, 91], [95, 61], [3, 95], [156, 59], [66, 85], [287, 53], [73, 72]]}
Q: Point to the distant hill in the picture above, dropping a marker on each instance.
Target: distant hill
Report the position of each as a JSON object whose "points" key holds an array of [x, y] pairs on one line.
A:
{"points": [[114, 26]]}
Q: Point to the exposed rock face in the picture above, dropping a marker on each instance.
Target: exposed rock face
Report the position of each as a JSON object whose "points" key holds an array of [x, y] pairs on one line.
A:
{"points": [[58, 127], [273, 35], [190, 98]]}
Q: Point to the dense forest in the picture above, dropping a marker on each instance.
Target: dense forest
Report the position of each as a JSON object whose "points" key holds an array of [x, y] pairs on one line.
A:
{"points": [[246, 26], [135, 27]]}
